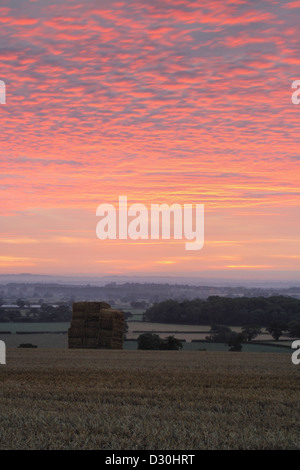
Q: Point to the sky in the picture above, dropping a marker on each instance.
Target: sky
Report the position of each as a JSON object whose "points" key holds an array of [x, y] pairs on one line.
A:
{"points": [[165, 102]]}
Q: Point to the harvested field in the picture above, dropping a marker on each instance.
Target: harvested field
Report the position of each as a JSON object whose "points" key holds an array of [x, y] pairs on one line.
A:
{"points": [[155, 400]]}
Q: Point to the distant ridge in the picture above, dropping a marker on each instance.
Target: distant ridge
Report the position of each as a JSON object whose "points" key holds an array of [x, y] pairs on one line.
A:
{"points": [[286, 280]]}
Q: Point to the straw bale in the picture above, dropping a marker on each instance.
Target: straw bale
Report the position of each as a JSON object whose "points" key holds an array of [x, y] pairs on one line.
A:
{"points": [[75, 342], [78, 314], [91, 343], [79, 306], [105, 343], [106, 322], [96, 325], [115, 313], [78, 323], [111, 319], [88, 309], [91, 315], [76, 332], [103, 335], [89, 306], [91, 332], [92, 324]]}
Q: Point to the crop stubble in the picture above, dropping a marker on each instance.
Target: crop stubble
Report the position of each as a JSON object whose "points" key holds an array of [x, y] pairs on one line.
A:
{"points": [[155, 400]]}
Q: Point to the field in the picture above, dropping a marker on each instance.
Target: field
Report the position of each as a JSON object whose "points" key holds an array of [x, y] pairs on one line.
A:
{"points": [[159, 400], [53, 335]]}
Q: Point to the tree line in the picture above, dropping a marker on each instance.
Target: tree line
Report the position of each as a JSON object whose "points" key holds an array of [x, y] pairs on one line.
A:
{"points": [[46, 313], [262, 311]]}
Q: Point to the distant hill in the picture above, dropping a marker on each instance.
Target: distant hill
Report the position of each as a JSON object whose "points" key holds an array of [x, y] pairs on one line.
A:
{"points": [[203, 280]]}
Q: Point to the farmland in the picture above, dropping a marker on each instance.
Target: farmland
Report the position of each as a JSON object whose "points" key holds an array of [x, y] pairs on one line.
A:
{"points": [[157, 400], [53, 335]]}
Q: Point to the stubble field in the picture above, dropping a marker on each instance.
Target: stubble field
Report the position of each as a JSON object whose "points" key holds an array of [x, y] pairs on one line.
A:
{"points": [[140, 400]]}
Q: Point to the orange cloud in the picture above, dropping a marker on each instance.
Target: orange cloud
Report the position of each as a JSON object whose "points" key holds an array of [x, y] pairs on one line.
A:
{"points": [[174, 101]]}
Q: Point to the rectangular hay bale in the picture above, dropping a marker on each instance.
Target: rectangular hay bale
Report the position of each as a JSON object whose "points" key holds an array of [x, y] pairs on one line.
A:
{"points": [[75, 332], [89, 306], [105, 343], [75, 343], [91, 332], [96, 325], [90, 343], [78, 323]]}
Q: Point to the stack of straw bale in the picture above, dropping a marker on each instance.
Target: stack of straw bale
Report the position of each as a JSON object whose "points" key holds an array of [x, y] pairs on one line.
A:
{"points": [[96, 325]]}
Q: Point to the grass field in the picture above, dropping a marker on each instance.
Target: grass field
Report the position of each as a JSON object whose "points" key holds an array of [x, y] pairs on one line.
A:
{"points": [[54, 339], [159, 400], [60, 341]]}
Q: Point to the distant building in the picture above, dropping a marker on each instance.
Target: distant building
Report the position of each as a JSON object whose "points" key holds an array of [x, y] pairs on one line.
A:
{"points": [[10, 306]]}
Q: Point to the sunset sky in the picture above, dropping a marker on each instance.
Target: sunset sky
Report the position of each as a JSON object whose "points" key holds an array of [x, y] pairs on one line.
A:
{"points": [[169, 101]]}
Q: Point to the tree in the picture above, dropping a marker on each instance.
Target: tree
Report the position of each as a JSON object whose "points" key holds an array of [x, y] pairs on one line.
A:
{"points": [[219, 333], [148, 341], [294, 329], [127, 314], [276, 329], [63, 313], [225, 311], [251, 331], [171, 344], [152, 341], [235, 341]]}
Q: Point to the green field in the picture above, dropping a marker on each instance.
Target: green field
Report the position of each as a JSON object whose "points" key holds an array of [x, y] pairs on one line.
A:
{"points": [[36, 327], [54, 335], [60, 341]]}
